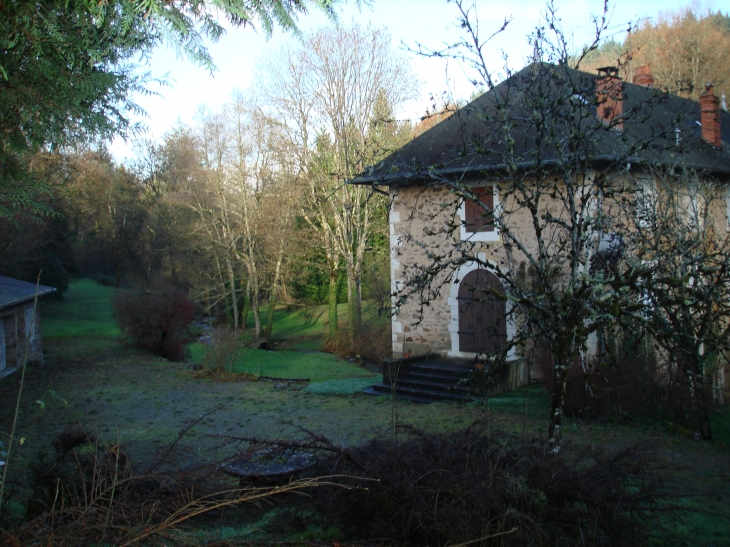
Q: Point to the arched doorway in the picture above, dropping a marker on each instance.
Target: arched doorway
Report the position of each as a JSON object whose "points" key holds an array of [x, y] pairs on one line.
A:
{"points": [[482, 321]]}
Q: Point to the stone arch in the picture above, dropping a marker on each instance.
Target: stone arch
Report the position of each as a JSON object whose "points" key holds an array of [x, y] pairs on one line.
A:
{"points": [[482, 315], [461, 284]]}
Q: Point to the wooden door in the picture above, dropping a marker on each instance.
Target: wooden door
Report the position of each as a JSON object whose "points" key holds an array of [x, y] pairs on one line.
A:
{"points": [[482, 323]]}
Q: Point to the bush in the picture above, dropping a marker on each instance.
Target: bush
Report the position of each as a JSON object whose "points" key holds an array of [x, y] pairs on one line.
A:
{"points": [[631, 379], [469, 486], [105, 280], [157, 321], [372, 343], [220, 356]]}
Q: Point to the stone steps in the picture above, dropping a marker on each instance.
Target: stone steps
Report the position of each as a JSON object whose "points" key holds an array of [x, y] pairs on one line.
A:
{"points": [[425, 379]]}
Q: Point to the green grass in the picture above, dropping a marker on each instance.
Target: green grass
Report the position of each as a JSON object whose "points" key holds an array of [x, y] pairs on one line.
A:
{"points": [[699, 522], [531, 399], [720, 423], [348, 386], [305, 322], [318, 367], [84, 317], [84, 311]]}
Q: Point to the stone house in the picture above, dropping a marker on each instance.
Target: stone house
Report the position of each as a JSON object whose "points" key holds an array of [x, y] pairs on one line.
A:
{"points": [[19, 327], [449, 320]]}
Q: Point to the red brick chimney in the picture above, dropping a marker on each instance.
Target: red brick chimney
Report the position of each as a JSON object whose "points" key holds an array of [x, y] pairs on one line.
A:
{"points": [[643, 77], [609, 98], [710, 116]]}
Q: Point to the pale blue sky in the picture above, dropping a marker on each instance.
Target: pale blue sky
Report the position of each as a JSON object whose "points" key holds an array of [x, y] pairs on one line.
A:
{"points": [[430, 22]]}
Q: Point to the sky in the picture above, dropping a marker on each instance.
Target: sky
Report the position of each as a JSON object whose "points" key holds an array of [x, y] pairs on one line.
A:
{"points": [[239, 53]]}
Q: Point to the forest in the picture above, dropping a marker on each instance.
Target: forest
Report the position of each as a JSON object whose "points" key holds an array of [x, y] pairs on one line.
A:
{"points": [[247, 207]]}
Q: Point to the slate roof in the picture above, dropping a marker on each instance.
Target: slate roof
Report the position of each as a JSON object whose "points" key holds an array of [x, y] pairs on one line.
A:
{"points": [[470, 141], [14, 291]]}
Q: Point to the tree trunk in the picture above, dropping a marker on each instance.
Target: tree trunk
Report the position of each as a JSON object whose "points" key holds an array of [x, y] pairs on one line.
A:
{"points": [[244, 308], [254, 281], [332, 303], [353, 300], [718, 385], [557, 401], [234, 294], [697, 382], [274, 291], [354, 306]]}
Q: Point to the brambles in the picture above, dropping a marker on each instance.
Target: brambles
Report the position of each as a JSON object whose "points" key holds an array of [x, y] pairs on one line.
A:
{"points": [[157, 321], [463, 487]]}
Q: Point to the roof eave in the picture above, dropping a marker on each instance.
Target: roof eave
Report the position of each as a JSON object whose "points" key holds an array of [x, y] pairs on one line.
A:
{"points": [[423, 176], [20, 300]]}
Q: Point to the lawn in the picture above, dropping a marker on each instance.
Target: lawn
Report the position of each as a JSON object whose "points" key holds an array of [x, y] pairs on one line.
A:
{"points": [[315, 366], [84, 311], [133, 398]]}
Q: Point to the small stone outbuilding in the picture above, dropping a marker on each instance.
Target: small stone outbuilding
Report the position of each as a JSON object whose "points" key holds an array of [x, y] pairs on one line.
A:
{"points": [[20, 328]]}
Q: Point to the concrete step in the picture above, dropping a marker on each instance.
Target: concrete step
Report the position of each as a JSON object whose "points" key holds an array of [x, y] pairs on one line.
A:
{"points": [[372, 391], [419, 394], [444, 369], [433, 385], [435, 376]]}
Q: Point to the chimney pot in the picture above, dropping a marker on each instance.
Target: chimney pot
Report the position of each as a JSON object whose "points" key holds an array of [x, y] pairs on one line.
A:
{"points": [[609, 98], [710, 116], [643, 77]]}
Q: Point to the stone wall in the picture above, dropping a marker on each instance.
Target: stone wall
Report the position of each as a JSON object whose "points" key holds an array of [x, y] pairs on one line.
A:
{"points": [[16, 323], [425, 219]]}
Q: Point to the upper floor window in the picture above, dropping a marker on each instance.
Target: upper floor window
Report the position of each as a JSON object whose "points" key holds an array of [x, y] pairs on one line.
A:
{"points": [[479, 212], [646, 201], [477, 215]]}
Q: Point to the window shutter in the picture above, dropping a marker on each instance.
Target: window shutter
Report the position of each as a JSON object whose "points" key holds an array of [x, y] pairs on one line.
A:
{"points": [[479, 214]]}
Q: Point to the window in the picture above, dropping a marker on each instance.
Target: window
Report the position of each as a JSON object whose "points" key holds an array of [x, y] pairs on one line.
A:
{"points": [[646, 201], [696, 207], [477, 215]]}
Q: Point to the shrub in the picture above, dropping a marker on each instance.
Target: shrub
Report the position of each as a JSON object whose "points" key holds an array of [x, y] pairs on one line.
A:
{"points": [[372, 343], [105, 280], [157, 321], [472, 487], [220, 356], [630, 379]]}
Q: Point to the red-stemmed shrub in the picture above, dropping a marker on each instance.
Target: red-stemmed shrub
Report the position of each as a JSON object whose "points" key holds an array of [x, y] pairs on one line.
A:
{"points": [[157, 321]]}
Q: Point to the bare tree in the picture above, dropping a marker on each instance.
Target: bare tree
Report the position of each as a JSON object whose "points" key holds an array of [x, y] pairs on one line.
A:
{"points": [[681, 249], [324, 93]]}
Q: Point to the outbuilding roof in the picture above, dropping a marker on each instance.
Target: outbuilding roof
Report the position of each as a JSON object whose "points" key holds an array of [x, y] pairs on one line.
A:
{"points": [[658, 128], [14, 291]]}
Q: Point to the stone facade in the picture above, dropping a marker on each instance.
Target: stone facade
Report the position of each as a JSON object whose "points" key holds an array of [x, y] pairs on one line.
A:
{"points": [[425, 219]]}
